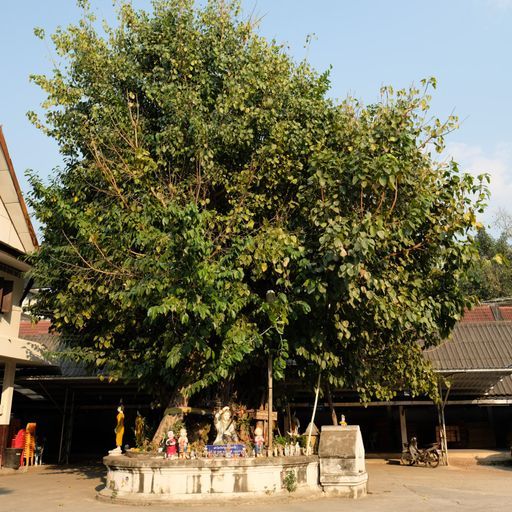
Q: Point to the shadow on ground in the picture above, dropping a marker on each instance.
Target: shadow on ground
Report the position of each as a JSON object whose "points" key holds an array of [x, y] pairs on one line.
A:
{"points": [[495, 462], [4, 491], [86, 471]]}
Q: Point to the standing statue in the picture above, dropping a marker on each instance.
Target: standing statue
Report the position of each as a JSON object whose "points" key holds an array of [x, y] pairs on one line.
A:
{"points": [[183, 444], [170, 445], [119, 432], [225, 426], [259, 440], [140, 425]]}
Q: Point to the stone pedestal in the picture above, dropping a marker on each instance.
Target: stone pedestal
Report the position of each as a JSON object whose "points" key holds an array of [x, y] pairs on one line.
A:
{"points": [[148, 479], [342, 465]]}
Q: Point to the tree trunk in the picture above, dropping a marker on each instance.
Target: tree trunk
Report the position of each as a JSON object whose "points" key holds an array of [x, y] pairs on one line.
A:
{"points": [[331, 406], [168, 420]]}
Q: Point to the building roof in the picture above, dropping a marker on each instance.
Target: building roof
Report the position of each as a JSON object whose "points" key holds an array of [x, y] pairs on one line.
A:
{"points": [[474, 346], [502, 388], [477, 357], [19, 233], [41, 333], [482, 313]]}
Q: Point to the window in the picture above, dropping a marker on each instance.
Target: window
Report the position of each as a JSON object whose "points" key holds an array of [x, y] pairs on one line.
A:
{"points": [[6, 291]]}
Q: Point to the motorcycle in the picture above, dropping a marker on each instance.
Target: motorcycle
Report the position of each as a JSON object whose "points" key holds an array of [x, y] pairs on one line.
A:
{"points": [[411, 454]]}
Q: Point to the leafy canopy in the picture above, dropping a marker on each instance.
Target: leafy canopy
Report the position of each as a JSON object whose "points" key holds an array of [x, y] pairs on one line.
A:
{"points": [[490, 276], [215, 207]]}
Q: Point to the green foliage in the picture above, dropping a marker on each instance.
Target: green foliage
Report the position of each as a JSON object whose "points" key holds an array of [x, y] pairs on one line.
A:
{"points": [[203, 169], [290, 481], [491, 275], [280, 440]]}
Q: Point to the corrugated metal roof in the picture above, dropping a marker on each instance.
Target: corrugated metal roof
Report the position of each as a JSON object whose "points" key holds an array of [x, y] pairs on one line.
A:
{"points": [[474, 346], [53, 344], [502, 388]]}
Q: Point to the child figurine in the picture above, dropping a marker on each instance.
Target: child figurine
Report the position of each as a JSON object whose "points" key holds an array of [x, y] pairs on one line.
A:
{"points": [[343, 422], [170, 445], [258, 441], [183, 443]]}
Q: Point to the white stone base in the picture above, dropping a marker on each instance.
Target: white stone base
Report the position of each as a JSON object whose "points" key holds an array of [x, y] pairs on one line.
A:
{"points": [[342, 463], [145, 480], [348, 486]]}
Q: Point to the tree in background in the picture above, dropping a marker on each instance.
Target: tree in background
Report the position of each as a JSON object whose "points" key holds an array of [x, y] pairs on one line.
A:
{"points": [[215, 207], [491, 275]]}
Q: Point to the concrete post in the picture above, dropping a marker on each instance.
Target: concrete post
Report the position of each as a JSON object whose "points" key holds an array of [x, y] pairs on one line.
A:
{"points": [[342, 464], [403, 425]]}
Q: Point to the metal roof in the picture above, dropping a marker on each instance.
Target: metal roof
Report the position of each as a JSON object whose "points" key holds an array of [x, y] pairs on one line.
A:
{"points": [[53, 345], [476, 359], [502, 388], [474, 346]]}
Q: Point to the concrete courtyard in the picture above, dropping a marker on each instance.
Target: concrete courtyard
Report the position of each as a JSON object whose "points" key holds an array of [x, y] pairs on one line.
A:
{"points": [[479, 481]]}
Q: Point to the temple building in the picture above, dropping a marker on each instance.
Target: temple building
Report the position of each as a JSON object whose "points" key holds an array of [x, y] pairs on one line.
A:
{"points": [[17, 239]]}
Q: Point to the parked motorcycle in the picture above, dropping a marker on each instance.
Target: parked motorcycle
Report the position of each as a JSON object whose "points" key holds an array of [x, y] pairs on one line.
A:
{"points": [[411, 454]]}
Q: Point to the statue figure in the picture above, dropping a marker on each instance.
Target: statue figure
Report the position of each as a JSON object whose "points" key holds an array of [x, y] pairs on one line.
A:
{"points": [[258, 441], [170, 445], [119, 430], [183, 443], [225, 426], [294, 426], [139, 430]]}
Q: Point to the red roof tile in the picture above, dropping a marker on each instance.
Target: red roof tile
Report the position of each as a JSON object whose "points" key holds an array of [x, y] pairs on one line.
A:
{"points": [[506, 312], [479, 314], [30, 329]]}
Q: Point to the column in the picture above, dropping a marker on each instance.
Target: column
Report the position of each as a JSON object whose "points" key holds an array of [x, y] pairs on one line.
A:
{"points": [[5, 405], [403, 425]]}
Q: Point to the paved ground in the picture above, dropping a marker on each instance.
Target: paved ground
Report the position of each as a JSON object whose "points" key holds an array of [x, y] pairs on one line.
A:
{"points": [[466, 485]]}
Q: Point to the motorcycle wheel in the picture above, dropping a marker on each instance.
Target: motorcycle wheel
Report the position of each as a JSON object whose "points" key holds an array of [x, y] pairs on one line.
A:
{"points": [[433, 459], [406, 459]]}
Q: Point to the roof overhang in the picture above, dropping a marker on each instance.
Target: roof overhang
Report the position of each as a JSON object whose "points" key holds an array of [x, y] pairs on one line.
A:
{"points": [[10, 195], [11, 263], [474, 381]]}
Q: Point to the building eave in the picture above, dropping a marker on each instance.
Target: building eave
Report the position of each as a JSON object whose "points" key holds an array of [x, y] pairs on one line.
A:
{"points": [[21, 201]]}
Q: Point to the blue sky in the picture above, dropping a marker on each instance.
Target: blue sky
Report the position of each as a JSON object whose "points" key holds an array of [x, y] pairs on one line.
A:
{"points": [[466, 44]]}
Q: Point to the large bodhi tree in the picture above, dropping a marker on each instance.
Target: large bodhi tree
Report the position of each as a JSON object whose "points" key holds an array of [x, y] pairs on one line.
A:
{"points": [[205, 172]]}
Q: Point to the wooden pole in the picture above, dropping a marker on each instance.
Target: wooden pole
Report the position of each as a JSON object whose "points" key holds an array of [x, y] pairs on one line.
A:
{"points": [[270, 398], [308, 448]]}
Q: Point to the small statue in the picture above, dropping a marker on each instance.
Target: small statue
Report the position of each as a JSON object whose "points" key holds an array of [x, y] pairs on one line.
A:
{"points": [[183, 443], [294, 426], [140, 425], [343, 423], [170, 445], [225, 426], [258, 441], [119, 430]]}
